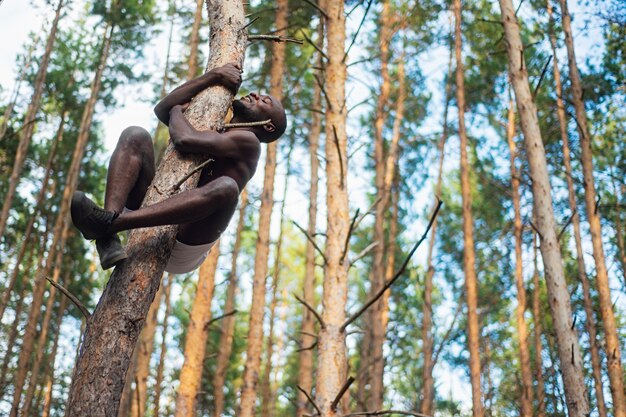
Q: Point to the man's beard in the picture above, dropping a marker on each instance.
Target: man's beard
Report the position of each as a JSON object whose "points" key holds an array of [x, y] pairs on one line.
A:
{"points": [[241, 112]]}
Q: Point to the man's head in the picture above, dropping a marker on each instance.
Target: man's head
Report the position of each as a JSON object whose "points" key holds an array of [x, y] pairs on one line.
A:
{"points": [[257, 108]]}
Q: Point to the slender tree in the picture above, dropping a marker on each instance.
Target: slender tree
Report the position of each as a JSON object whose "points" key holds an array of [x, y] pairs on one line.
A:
{"points": [[541, 405], [192, 71], [567, 341], [614, 358], [469, 257], [161, 367], [255, 329]]}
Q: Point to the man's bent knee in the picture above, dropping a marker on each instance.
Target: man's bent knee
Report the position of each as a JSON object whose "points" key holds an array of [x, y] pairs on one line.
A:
{"points": [[136, 136], [225, 189]]}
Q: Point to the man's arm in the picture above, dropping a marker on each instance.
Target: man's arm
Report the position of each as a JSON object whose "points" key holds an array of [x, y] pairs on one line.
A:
{"points": [[228, 75], [234, 144]]}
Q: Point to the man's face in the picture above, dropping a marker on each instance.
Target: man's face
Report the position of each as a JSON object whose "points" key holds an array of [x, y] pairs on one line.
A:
{"points": [[255, 107]]}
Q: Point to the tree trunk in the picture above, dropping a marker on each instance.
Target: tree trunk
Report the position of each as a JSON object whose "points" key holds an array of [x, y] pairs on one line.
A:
{"points": [[159, 374], [11, 339], [45, 327], [115, 325], [567, 341], [372, 362], [29, 121], [526, 402], [144, 348], [62, 216], [614, 359], [255, 330], [590, 323], [469, 257], [619, 236], [305, 366], [127, 393], [31, 222], [192, 71], [541, 405], [331, 373], [49, 380], [428, 396], [196, 339]]}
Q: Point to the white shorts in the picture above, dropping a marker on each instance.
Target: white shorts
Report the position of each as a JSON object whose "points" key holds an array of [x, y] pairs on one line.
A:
{"points": [[186, 258]]}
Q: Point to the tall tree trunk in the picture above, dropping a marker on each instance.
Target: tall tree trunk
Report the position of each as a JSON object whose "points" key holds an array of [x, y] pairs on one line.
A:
{"points": [[11, 339], [267, 394], [127, 393], [541, 405], [370, 375], [255, 330], [619, 234], [115, 324], [469, 257], [567, 341], [8, 111], [331, 373], [45, 327], [305, 366], [29, 121], [192, 71], [49, 380], [144, 348], [196, 339], [159, 374], [614, 358], [590, 322], [62, 217], [428, 395], [26, 237], [526, 402]]}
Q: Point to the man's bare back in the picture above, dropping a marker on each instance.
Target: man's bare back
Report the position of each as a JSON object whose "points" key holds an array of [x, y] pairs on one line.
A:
{"points": [[202, 213]]}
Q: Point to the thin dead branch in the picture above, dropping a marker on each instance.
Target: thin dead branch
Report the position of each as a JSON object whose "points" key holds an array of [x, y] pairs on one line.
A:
{"points": [[312, 310], [307, 348], [308, 397], [321, 86], [347, 242], [397, 275], [274, 38], [385, 412], [319, 9], [218, 318], [193, 171], [72, 298], [565, 226], [363, 253], [311, 240], [543, 74], [250, 23], [367, 9], [247, 124], [341, 169], [316, 46], [342, 391]]}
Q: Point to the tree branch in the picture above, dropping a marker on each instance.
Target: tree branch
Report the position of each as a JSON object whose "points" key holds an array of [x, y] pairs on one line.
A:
{"points": [[72, 298], [316, 46], [397, 275], [310, 240], [569, 221], [193, 171], [342, 391], [347, 242], [312, 310], [385, 412], [309, 2], [308, 397], [274, 38], [223, 316], [364, 252]]}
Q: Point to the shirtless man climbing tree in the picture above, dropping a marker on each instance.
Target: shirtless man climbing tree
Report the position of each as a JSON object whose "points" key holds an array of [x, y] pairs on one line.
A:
{"points": [[201, 213]]}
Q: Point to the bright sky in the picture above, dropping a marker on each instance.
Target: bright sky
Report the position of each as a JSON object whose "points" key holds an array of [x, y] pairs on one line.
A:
{"points": [[18, 18]]}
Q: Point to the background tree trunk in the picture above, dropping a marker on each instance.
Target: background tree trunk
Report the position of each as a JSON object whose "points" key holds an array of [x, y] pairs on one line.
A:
{"points": [[614, 358], [469, 257], [255, 331], [192, 71], [567, 341], [541, 405], [114, 327], [197, 336], [159, 374]]}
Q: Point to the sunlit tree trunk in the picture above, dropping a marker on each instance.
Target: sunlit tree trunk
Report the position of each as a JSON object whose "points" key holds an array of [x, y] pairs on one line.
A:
{"points": [[144, 348], [613, 354], [160, 369], [247, 403], [29, 121], [619, 234], [428, 394], [567, 341], [228, 323], [541, 404], [11, 338], [307, 338], [469, 257], [116, 322], [331, 372], [26, 237], [590, 322], [526, 402], [196, 339], [192, 71]]}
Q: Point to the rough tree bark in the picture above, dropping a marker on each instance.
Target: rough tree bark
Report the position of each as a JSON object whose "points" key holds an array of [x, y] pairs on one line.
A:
{"points": [[192, 71], [331, 373], [590, 322], [255, 330], [613, 354], [428, 395], [228, 323], [469, 257], [558, 295], [160, 369], [541, 404], [526, 403], [114, 327], [29, 121], [305, 367], [196, 339]]}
